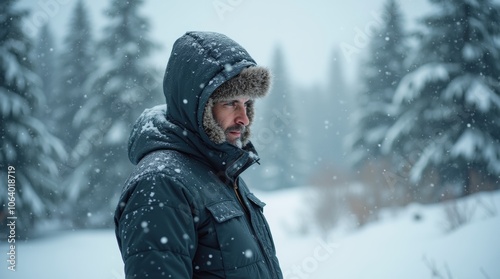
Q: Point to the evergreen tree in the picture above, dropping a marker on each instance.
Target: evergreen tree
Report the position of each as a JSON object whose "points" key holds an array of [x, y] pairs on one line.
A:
{"points": [[383, 70], [449, 107], [337, 105], [276, 138], [121, 89], [26, 144], [77, 65], [46, 68], [327, 112]]}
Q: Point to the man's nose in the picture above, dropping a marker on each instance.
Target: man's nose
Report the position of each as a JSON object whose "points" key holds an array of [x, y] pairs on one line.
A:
{"points": [[241, 116]]}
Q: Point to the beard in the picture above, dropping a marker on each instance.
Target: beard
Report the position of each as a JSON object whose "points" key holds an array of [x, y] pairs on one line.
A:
{"points": [[236, 128]]}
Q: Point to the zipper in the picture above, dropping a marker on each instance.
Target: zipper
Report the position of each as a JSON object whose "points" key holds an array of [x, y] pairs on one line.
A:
{"points": [[238, 196]]}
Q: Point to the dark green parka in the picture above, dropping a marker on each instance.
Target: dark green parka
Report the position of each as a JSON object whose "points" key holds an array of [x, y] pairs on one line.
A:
{"points": [[179, 215]]}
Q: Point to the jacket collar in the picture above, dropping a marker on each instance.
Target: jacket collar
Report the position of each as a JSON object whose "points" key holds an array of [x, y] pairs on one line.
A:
{"points": [[153, 131]]}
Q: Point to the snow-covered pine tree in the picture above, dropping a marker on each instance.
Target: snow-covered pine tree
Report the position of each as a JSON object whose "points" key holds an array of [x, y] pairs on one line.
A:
{"points": [[276, 140], [335, 108], [449, 107], [46, 68], [381, 74], [383, 68], [121, 90], [26, 144], [77, 65], [326, 111]]}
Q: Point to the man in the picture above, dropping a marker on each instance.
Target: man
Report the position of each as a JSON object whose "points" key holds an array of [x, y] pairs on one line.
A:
{"points": [[184, 211]]}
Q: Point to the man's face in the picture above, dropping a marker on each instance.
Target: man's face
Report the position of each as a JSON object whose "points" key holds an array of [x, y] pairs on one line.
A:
{"points": [[232, 116]]}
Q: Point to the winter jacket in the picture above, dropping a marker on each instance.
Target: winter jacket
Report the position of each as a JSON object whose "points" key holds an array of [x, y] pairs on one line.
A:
{"points": [[184, 211]]}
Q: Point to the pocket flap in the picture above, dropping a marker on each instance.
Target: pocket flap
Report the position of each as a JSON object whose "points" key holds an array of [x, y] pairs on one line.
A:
{"points": [[225, 210], [256, 200]]}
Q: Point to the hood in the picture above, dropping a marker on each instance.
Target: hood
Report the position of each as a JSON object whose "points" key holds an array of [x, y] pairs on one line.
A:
{"points": [[199, 63]]}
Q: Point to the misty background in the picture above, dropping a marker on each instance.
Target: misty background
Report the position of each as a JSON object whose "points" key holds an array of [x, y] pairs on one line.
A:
{"points": [[374, 104]]}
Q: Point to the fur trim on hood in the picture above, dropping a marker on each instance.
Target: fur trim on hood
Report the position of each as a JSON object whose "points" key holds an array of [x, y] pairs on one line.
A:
{"points": [[252, 82]]}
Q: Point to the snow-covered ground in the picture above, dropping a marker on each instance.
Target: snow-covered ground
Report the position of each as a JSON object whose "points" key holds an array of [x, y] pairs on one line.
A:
{"points": [[397, 246]]}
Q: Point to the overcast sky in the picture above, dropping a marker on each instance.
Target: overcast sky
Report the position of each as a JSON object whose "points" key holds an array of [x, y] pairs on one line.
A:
{"points": [[308, 31]]}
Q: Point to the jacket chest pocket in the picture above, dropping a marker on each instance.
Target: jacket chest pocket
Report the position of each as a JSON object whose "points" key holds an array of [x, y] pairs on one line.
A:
{"points": [[234, 243], [225, 211]]}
